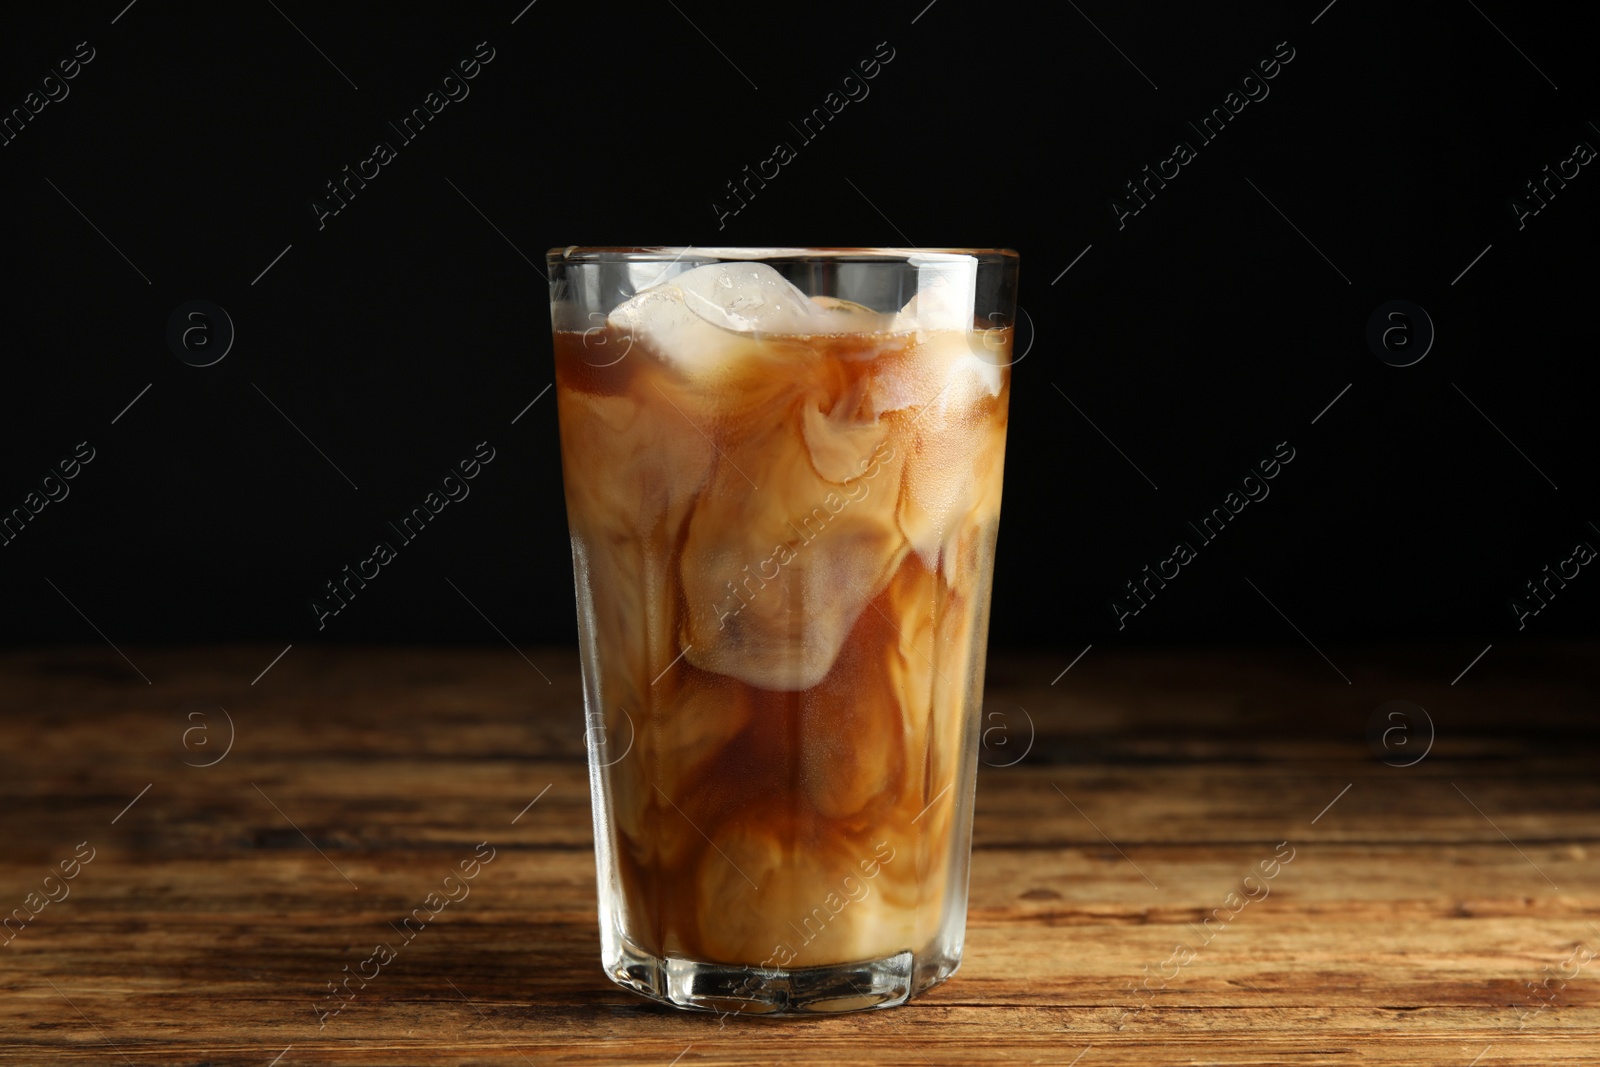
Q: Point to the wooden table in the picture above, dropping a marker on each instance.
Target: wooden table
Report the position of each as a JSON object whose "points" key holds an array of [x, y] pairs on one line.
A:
{"points": [[1421, 905]]}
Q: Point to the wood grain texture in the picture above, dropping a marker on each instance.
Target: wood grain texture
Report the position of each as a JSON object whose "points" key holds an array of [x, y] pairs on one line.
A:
{"points": [[1415, 912]]}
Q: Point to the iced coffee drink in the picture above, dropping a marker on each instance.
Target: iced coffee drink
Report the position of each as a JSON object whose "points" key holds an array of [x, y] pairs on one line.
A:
{"points": [[782, 475]]}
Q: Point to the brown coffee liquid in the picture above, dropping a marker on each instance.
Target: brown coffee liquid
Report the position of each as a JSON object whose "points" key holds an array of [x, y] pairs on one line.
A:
{"points": [[783, 563]]}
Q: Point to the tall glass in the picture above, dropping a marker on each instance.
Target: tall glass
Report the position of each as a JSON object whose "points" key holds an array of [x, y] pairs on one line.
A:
{"points": [[782, 472]]}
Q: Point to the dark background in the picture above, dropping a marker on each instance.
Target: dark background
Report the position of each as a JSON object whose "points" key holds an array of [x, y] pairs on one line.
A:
{"points": [[413, 325]]}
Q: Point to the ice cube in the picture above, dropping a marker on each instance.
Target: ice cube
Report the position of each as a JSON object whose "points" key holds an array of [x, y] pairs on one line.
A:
{"points": [[696, 319], [847, 316], [794, 535], [946, 296], [764, 896], [946, 372], [951, 362], [746, 298], [952, 476], [947, 386]]}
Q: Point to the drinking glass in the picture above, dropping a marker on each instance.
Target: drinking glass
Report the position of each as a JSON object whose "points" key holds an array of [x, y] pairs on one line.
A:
{"points": [[782, 471]]}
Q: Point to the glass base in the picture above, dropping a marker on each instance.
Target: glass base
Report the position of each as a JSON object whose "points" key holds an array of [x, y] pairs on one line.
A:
{"points": [[733, 989]]}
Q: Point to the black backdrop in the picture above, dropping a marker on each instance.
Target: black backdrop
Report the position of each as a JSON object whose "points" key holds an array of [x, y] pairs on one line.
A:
{"points": [[376, 347]]}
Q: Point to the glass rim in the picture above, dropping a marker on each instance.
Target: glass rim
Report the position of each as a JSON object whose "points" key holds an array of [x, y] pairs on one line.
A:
{"points": [[655, 254]]}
